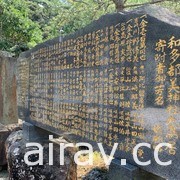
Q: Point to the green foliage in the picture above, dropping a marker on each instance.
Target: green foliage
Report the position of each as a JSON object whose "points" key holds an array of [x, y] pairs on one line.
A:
{"points": [[77, 14], [25, 23], [16, 28], [173, 5]]}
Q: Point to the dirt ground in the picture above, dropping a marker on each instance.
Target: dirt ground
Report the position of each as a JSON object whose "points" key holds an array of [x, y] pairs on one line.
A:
{"points": [[98, 171]]}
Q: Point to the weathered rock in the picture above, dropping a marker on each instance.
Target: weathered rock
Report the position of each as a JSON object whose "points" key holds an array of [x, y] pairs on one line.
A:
{"points": [[5, 131], [14, 127], [18, 169], [6, 54], [8, 99], [96, 174]]}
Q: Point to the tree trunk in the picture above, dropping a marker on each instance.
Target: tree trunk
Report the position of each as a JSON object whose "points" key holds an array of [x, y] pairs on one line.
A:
{"points": [[119, 5]]}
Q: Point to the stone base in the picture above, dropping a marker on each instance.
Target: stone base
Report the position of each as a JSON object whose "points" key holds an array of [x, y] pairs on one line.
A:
{"points": [[119, 172], [33, 133], [129, 172], [18, 169]]}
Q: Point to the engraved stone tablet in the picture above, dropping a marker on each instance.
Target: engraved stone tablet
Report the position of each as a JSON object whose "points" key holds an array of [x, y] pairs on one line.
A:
{"points": [[115, 81]]}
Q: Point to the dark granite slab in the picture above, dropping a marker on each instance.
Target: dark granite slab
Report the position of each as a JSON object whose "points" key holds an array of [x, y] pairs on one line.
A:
{"points": [[115, 81]]}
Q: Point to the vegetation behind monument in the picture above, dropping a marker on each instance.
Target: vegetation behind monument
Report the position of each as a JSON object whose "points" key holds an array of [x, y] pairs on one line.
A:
{"points": [[25, 23]]}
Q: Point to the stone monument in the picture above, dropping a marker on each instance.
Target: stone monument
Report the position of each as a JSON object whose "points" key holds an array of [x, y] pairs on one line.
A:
{"points": [[115, 81], [8, 98]]}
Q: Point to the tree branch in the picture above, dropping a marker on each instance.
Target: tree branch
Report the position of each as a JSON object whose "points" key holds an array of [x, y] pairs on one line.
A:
{"points": [[125, 1], [79, 1], [155, 2]]}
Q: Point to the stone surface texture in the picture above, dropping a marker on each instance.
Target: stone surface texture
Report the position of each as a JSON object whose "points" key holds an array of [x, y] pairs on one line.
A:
{"points": [[18, 170], [8, 99]]}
